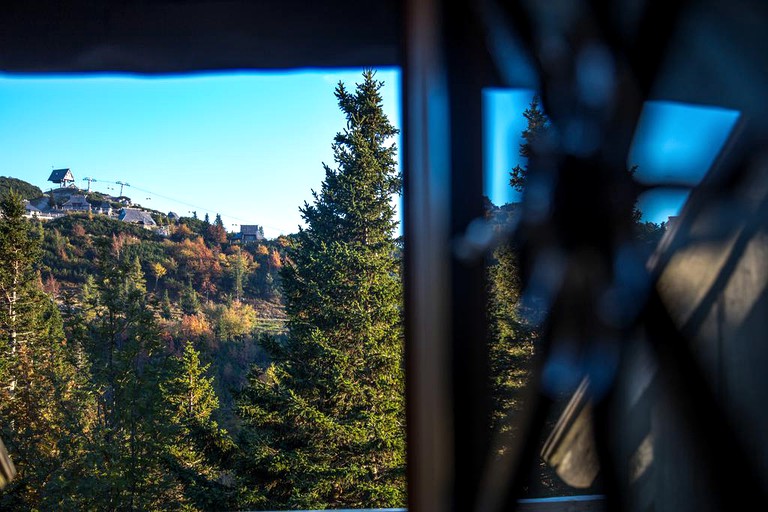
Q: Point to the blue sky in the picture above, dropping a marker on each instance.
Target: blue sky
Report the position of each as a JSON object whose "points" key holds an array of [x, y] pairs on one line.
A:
{"points": [[249, 146], [672, 142], [676, 142]]}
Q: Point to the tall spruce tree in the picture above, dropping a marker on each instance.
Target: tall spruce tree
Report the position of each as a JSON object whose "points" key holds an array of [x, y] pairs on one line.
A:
{"points": [[37, 378], [126, 467], [198, 449], [511, 342], [323, 424]]}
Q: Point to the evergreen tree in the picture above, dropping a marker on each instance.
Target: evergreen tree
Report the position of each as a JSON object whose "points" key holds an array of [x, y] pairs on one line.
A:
{"points": [[125, 467], [323, 425], [188, 300], [512, 341], [534, 133], [239, 265], [38, 394], [197, 447], [165, 306]]}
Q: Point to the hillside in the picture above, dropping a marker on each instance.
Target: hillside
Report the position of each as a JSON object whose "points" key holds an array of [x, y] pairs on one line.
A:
{"points": [[26, 190], [201, 287]]}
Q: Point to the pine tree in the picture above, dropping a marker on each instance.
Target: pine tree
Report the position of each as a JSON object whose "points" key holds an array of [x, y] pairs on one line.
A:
{"points": [[511, 339], [239, 265], [534, 133], [188, 300], [125, 467], [324, 423], [37, 378], [165, 306], [198, 448]]}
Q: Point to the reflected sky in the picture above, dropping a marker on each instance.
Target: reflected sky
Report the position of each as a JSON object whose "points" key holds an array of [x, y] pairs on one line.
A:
{"points": [[503, 123], [672, 142], [678, 142]]}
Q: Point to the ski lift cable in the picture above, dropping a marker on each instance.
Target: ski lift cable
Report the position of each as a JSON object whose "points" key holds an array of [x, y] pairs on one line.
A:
{"points": [[203, 208]]}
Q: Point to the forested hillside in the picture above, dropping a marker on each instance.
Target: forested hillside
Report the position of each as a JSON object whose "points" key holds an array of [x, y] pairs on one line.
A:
{"points": [[122, 351], [24, 189], [183, 369], [202, 288]]}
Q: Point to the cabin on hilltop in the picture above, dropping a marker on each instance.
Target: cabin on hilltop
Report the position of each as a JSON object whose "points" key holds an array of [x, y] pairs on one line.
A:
{"points": [[30, 210], [76, 203], [250, 233], [63, 177]]}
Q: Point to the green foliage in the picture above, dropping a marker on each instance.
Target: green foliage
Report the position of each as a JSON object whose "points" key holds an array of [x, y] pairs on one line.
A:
{"points": [[39, 407], [323, 425], [189, 301], [512, 340], [165, 306], [21, 187], [99, 225], [125, 463], [197, 226], [198, 448]]}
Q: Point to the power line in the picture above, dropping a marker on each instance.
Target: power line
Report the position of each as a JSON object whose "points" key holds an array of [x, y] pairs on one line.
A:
{"points": [[203, 208]]}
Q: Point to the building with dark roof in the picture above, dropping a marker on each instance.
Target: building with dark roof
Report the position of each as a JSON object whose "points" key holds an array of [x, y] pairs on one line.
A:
{"points": [[63, 177], [135, 216], [76, 203], [31, 210], [250, 233]]}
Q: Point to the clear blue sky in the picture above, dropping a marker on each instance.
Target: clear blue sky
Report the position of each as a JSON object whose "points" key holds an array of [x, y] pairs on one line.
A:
{"points": [[672, 141], [249, 146]]}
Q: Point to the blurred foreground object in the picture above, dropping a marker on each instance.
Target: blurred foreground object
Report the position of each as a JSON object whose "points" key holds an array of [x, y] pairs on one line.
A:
{"points": [[7, 469]]}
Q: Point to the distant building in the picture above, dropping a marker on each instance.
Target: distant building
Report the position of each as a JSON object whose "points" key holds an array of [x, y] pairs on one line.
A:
{"points": [[135, 216], [62, 177], [250, 233], [31, 210], [76, 203], [671, 222], [104, 208], [173, 216]]}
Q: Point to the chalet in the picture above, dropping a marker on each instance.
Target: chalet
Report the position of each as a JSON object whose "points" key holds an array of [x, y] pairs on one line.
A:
{"points": [[173, 217], [76, 203], [62, 177], [31, 210], [135, 216], [250, 233]]}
